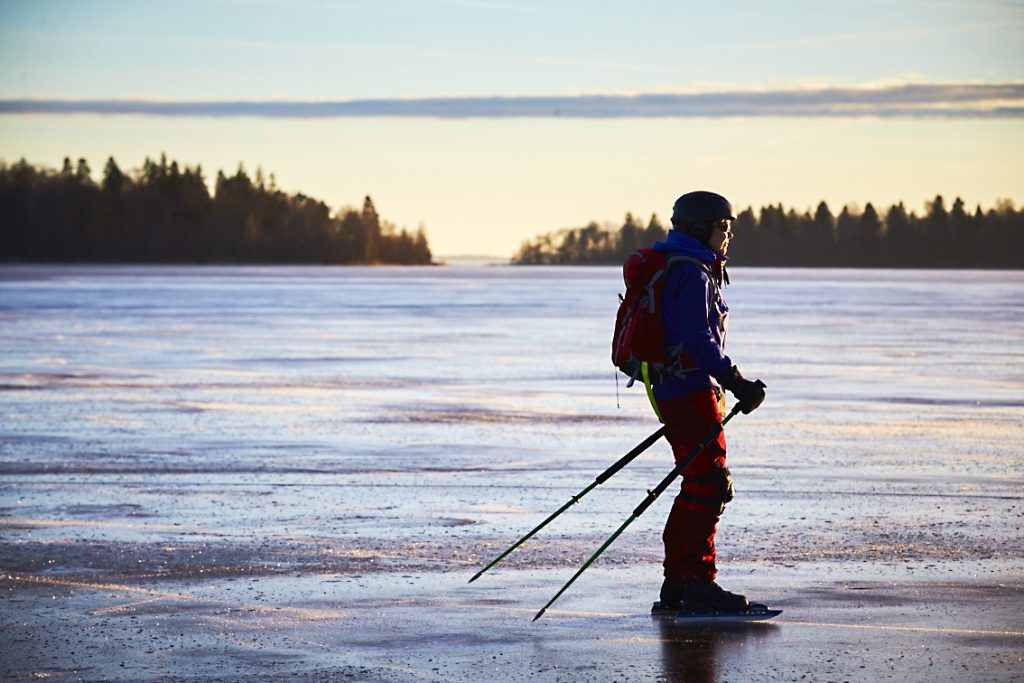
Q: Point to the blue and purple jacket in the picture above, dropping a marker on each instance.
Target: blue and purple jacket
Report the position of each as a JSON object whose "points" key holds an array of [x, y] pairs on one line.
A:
{"points": [[694, 315]]}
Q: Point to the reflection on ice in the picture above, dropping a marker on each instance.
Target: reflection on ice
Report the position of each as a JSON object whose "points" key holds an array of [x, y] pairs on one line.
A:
{"points": [[699, 655]]}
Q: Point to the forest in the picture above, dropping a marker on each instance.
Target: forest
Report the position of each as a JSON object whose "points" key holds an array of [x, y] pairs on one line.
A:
{"points": [[940, 237], [164, 213]]}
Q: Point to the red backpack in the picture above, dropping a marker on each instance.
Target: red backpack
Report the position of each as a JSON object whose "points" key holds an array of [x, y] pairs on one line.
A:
{"points": [[638, 346]]}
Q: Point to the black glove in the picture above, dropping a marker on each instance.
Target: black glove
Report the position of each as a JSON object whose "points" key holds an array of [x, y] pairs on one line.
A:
{"points": [[749, 395]]}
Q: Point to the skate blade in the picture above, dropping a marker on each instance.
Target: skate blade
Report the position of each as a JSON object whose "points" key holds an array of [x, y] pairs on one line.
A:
{"points": [[705, 617]]}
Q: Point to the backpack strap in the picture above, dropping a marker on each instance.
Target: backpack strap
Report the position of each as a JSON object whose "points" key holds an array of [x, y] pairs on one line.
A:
{"points": [[677, 258], [703, 266], [650, 390]]}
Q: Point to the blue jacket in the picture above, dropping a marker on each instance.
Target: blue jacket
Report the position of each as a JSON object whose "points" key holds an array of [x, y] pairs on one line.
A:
{"points": [[694, 315]]}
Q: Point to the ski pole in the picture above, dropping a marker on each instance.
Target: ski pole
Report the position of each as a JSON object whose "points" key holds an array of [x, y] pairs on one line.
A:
{"points": [[601, 478], [651, 496]]}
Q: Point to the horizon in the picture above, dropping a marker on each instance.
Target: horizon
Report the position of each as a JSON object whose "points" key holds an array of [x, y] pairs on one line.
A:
{"points": [[855, 208]]}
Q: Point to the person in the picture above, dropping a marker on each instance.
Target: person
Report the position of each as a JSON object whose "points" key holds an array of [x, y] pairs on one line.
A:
{"points": [[691, 403]]}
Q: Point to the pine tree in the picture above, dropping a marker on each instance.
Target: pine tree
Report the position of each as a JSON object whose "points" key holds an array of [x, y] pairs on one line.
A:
{"points": [[871, 236], [629, 238], [113, 178], [964, 239], [371, 224], [900, 237]]}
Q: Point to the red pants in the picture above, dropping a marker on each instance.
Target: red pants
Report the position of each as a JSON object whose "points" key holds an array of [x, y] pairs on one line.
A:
{"points": [[690, 531]]}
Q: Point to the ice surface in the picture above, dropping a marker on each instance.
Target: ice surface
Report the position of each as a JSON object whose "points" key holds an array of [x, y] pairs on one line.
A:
{"points": [[173, 437]]}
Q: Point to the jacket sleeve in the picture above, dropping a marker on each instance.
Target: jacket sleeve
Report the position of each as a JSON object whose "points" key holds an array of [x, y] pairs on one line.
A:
{"points": [[687, 320]]}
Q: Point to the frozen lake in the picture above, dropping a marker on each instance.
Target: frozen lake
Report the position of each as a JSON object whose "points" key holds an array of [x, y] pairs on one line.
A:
{"points": [[170, 427]]}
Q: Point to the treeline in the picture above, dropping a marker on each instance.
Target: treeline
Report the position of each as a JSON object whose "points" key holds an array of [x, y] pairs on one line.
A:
{"points": [[895, 238], [164, 213]]}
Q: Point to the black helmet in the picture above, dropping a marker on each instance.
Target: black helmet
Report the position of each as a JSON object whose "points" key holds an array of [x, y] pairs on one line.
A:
{"points": [[700, 207]]}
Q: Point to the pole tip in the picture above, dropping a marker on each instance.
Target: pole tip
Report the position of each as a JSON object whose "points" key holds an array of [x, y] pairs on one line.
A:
{"points": [[540, 614], [475, 577]]}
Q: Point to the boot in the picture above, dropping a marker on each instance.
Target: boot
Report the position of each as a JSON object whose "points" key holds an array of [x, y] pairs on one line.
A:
{"points": [[700, 594]]}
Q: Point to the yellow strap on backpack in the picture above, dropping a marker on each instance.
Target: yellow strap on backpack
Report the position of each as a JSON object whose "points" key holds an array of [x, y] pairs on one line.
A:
{"points": [[650, 390]]}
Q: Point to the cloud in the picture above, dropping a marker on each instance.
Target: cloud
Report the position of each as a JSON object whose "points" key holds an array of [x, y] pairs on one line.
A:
{"points": [[958, 100]]}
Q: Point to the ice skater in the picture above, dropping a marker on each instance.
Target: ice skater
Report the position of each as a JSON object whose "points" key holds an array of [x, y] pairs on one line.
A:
{"points": [[670, 332], [690, 401]]}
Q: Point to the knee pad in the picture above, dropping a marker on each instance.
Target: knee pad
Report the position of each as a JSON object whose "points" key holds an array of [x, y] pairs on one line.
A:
{"points": [[713, 490]]}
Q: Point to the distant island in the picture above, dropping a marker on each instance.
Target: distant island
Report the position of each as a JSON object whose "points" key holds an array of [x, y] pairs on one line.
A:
{"points": [[894, 238], [164, 213]]}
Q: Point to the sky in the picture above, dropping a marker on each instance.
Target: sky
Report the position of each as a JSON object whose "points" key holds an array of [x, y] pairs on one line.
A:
{"points": [[489, 122]]}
